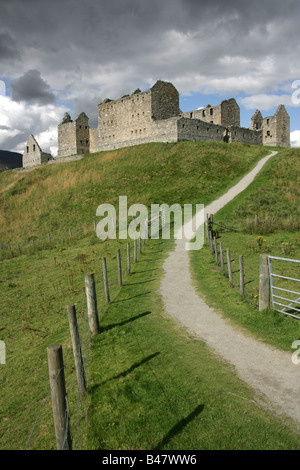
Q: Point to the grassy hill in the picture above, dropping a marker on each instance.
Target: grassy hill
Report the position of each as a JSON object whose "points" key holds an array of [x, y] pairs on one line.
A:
{"points": [[150, 385], [56, 197]]}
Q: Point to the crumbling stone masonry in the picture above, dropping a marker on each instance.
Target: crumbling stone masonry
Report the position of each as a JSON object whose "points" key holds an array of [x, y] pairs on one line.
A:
{"points": [[154, 116], [275, 129], [73, 136], [33, 154]]}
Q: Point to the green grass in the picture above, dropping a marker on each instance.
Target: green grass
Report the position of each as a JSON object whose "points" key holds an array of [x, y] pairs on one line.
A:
{"points": [[150, 384], [156, 387], [54, 198], [273, 196], [35, 291]]}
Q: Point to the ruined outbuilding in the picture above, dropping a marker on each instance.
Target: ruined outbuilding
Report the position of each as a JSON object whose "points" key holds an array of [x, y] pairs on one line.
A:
{"points": [[33, 154]]}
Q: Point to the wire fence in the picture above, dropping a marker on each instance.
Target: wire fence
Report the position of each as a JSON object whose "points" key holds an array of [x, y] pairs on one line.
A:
{"points": [[75, 406], [234, 270], [258, 223], [46, 240]]}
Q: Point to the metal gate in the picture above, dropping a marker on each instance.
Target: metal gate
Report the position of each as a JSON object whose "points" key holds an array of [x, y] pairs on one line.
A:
{"points": [[285, 290]]}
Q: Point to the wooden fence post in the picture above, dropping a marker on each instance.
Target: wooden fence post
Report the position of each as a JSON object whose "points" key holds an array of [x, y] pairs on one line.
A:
{"points": [[242, 290], [58, 396], [222, 257], [216, 249], [212, 248], [229, 267], [207, 229], [91, 298], [264, 283], [105, 280], [119, 266], [135, 250], [128, 258], [79, 367]]}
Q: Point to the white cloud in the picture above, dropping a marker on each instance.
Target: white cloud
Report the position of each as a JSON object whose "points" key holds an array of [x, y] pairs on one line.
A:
{"points": [[2, 88], [48, 140], [265, 101], [295, 139], [19, 120]]}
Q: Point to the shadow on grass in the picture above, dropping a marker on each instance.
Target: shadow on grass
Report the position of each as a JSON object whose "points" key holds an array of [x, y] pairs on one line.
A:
{"points": [[135, 366], [140, 282], [114, 325], [130, 298], [126, 372], [143, 272], [179, 427]]}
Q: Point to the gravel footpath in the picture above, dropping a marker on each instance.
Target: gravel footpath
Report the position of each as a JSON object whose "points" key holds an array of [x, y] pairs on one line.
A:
{"points": [[269, 371]]}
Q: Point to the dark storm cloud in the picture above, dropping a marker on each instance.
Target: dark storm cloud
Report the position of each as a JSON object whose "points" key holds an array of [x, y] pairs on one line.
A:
{"points": [[32, 88], [73, 34], [8, 47], [96, 49]]}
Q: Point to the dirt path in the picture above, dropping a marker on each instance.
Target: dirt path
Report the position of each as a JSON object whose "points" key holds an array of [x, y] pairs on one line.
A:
{"points": [[269, 371]]}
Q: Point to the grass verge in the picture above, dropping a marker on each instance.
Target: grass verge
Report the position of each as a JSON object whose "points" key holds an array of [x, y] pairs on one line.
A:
{"points": [[155, 387], [279, 176]]}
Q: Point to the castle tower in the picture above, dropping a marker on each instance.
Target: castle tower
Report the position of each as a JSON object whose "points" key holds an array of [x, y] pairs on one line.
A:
{"points": [[73, 136], [256, 121], [276, 129]]}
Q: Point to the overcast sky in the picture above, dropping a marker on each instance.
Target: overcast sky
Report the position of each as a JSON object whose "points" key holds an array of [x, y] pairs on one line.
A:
{"points": [[66, 55]]}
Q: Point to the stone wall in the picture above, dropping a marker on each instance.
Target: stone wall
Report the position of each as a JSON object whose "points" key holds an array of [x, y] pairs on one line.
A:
{"points": [[242, 134], [33, 154], [94, 140], [66, 139], [159, 131], [82, 134], [196, 129], [226, 114], [125, 119]]}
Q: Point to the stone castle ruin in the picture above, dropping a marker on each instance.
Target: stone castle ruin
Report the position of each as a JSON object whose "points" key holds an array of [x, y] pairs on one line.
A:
{"points": [[154, 116]]}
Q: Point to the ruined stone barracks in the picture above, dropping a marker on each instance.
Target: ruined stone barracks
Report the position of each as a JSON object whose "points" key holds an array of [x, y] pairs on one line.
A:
{"points": [[154, 116]]}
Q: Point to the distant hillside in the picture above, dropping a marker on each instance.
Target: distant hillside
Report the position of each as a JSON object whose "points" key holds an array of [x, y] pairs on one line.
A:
{"points": [[9, 160]]}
